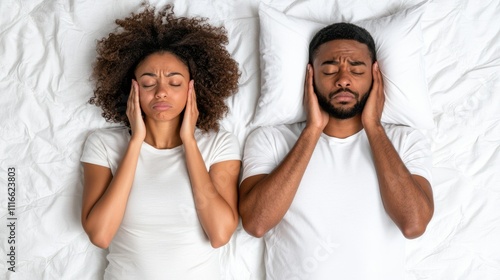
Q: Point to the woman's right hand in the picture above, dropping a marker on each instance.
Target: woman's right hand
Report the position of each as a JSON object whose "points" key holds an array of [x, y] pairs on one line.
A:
{"points": [[134, 113]]}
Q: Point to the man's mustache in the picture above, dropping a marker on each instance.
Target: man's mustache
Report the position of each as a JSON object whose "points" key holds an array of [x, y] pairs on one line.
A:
{"points": [[330, 96]]}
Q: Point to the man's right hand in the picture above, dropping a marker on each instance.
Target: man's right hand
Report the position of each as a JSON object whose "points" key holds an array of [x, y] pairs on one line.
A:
{"points": [[266, 198], [317, 118]]}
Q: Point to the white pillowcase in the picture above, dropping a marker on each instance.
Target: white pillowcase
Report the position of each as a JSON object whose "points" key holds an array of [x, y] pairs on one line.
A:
{"points": [[284, 43]]}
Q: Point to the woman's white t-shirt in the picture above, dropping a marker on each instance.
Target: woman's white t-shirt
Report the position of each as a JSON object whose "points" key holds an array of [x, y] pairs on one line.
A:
{"points": [[160, 236]]}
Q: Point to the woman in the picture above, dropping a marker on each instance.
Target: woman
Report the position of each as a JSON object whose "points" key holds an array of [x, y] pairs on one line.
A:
{"points": [[161, 191]]}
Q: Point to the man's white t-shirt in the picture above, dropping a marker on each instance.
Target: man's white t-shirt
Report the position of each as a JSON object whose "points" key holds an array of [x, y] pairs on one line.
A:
{"points": [[160, 236], [336, 226]]}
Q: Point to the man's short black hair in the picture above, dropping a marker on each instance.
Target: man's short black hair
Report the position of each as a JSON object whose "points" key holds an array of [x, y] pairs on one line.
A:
{"points": [[342, 31]]}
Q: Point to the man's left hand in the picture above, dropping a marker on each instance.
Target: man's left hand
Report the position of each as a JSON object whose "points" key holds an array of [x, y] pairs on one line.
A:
{"points": [[372, 113]]}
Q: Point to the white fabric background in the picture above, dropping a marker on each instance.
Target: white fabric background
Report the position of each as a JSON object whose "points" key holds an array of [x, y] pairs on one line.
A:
{"points": [[46, 51]]}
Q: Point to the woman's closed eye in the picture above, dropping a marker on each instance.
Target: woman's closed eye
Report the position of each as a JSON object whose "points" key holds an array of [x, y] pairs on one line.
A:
{"points": [[147, 82], [148, 85]]}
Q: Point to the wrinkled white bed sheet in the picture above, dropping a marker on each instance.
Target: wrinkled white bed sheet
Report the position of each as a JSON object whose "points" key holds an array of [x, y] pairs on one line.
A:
{"points": [[46, 51]]}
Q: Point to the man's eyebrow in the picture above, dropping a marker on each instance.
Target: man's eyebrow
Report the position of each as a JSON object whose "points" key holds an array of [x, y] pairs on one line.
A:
{"points": [[335, 62], [330, 62], [357, 63]]}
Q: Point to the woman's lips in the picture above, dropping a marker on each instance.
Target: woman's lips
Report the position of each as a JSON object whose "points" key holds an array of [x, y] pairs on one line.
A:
{"points": [[161, 106]]}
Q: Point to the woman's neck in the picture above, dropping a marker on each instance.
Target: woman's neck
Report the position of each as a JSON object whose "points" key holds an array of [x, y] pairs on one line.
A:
{"points": [[163, 135]]}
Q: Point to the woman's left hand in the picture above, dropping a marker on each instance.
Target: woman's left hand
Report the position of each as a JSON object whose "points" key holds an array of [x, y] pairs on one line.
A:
{"points": [[190, 115]]}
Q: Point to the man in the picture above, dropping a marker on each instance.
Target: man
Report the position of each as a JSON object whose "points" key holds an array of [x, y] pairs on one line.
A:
{"points": [[335, 196]]}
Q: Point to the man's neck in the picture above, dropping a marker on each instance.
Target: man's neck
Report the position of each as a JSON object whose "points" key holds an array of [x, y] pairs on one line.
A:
{"points": [[339, 128]]}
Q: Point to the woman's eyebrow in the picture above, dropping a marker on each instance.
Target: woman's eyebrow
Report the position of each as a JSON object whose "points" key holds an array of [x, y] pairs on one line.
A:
{"points": [[149, 74], [168, 75], [173, 74]]}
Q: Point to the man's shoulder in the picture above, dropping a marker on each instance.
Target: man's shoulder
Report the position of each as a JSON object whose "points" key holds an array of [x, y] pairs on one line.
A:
{"points": [[275, 137], [286, 130], [403, 137], [399, 130]]}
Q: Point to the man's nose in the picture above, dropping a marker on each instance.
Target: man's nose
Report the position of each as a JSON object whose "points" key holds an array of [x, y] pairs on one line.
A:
{"points": [[343, 79]]}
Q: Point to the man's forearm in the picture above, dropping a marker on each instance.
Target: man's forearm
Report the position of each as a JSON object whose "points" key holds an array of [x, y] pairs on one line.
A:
{"points": [[263, 205], [406, 199]]}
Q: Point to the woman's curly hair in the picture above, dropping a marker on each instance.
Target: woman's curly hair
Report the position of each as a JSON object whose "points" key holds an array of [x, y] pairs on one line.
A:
{"points": [[198, 44]]}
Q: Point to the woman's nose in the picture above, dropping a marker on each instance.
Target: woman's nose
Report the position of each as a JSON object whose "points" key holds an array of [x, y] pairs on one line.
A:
{"points": [[161, 91]]}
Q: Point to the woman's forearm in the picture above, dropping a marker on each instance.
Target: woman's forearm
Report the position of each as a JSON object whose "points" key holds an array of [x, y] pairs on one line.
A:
{"points": [[106, 215], [215, 194]]}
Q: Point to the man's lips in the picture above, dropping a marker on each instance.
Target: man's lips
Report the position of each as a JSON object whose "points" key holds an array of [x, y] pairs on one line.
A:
{"points": [[343, 96]]}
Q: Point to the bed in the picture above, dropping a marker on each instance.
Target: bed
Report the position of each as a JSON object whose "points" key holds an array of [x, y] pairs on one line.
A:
{"points": [[451, 91]]}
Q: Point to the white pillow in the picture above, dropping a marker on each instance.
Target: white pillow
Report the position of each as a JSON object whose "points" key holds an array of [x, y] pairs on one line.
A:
{"points": [[284, 43]]}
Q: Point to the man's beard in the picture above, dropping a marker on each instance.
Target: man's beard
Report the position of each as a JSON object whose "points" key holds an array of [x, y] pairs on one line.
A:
{"points": [[341, 113]]}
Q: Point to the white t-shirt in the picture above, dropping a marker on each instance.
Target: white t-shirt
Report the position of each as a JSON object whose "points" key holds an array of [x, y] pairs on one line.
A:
{"points": [[336, 226], [160, 236]]}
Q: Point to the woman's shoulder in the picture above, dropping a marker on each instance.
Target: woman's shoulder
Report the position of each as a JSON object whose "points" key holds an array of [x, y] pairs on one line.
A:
{"points": [[109, 135], [212, 135], [220, 138], [105, 146]]}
